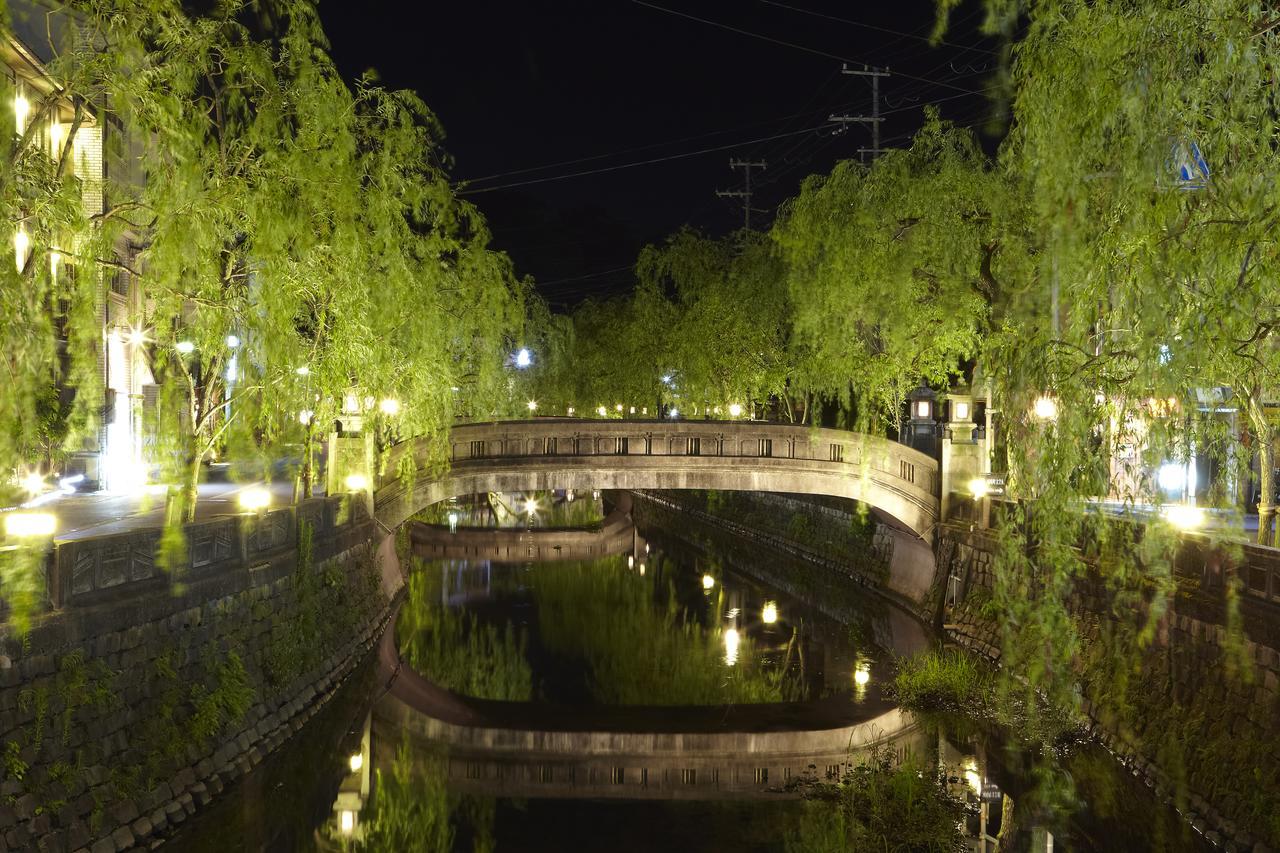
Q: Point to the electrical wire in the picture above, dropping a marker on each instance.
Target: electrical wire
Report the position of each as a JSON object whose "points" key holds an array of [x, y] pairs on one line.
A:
{"points": [[468, 191], [801, 47], [877, 28]]}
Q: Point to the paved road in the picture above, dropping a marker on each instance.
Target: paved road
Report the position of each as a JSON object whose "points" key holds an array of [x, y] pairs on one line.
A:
{"points": [[99, 513]]}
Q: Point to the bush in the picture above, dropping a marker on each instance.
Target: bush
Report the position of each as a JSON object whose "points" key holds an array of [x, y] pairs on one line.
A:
{"points": [[950, 679]]}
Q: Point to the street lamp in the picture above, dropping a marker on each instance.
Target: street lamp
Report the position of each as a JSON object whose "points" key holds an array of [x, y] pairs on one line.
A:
{"points": [[735, 410], [390, 407], [708, 581], [356, 482], [769, 614], [255, 499], [1045, 408], [533, 405], [29, 525], [523, 358]]}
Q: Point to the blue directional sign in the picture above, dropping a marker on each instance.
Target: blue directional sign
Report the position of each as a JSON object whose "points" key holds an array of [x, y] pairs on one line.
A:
{"points": [[1189, 167]]}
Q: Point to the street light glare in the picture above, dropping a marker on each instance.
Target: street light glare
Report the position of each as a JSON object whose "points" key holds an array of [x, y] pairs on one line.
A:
{"points": [[390, 407], [769, 614], [523, 358], [978, 487], [1046, 408], [1185, 516], [29, 525], [356, 482], [708, 581], [255, 499], [735, 410]]}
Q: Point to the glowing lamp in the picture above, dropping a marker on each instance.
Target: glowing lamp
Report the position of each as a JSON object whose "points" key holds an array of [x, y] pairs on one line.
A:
{"points": [[978, 487], [137, 337], [961, 411], [355, 762], [617, 407], [29, 525], [21, 245], [21, 109], [769, 614], [631, 562], [674, 413], [570, 411], [356, 482], [305, 417], [1045, 408], [33, 483], [533, 405], [523, 358], [254, 500], [185, 347], [232, 342], [862, 675], [1185, 517], [602, 411], [531, 506], [735, 410], [303, 371], [347, 821], [708, 582], [389, 407]]}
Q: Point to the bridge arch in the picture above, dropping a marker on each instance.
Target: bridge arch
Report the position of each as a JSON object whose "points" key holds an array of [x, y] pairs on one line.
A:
{"points": [[564, 453]]}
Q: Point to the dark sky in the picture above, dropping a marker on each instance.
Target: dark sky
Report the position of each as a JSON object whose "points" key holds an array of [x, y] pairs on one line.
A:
{"points": [[521, 87]]}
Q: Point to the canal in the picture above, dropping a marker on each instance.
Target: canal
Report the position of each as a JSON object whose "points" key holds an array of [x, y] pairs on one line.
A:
{"points": [[730, 708]]}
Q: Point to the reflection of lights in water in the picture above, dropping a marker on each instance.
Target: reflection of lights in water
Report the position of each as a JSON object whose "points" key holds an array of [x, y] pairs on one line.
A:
{"points": [[770, 613], [731, 642], [356, 762], [347, 821], [646, 547], [708, 581], [642, 570], [733, 613], [453, 522], [631, 562], [862, 675]]}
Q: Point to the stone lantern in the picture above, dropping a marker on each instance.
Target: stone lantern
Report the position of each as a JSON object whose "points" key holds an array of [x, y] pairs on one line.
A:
{"points": [[961, 421], [921, 430]]}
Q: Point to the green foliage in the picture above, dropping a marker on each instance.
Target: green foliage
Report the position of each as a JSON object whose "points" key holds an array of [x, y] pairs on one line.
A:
{"points": [[949, 679], [638, 649], [880, 804], [455, 649]]}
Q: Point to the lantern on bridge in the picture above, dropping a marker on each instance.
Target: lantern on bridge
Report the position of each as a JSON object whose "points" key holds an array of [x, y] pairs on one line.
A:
{"points": [[921, 429]]}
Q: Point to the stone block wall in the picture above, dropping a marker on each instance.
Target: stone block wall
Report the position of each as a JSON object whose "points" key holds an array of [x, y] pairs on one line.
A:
{"points": [[1196, 715], [121, 714]]}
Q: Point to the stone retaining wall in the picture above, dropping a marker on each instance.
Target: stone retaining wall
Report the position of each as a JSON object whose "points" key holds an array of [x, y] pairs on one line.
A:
{"points": [[1190, 692], [118, 719]]}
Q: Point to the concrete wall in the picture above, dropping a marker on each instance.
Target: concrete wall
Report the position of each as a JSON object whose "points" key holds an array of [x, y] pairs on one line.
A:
{"points": [[107, 701]]}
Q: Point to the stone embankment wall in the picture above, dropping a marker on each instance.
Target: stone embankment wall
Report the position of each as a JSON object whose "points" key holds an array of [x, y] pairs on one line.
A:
{"points": [[146, 693], [827, 532], [1198, 718]]}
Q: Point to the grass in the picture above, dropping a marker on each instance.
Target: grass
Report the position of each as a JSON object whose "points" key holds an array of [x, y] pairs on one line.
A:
{"points": [[945, 680]]}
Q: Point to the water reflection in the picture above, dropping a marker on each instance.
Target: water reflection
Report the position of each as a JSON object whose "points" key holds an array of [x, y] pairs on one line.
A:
{"points": [[693, 697]]}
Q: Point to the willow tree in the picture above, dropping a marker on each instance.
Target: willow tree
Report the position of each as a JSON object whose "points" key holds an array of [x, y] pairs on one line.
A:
{"points": [[728, 339], [893, 269]]}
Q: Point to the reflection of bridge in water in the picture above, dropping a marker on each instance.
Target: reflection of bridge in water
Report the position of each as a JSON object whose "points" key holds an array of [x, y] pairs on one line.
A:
{"points": [[524, 749], [614, 535]]}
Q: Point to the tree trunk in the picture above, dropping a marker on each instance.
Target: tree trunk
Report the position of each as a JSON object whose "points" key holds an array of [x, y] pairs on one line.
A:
{"points": [[1266, 467], [191, 486]]}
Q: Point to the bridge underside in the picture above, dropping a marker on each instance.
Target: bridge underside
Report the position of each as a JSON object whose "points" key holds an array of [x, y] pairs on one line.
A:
{"points": [[393, 506]]}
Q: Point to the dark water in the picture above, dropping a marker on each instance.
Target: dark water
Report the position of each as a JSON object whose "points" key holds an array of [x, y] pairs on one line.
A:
{"points": [[670, 623]]}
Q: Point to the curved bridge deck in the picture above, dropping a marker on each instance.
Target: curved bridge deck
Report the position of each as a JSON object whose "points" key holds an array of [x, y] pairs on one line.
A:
{"points": [[556, 453]]}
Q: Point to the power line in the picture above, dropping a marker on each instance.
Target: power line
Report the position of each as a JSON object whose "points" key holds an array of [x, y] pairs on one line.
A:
{"points": [[802, 47], [619, 152], [745, 194], [468, 191], [878, 28]]}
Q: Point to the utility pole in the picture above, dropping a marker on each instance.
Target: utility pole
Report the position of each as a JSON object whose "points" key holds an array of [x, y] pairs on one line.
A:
{"points": [[744, 194], [875, 118]]}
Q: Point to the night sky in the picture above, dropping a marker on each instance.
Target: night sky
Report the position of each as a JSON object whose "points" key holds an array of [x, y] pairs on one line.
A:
{"points": [[521, 87]]}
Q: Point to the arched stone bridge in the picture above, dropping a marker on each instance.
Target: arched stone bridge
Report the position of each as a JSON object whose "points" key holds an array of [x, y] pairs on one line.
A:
{"points": [[563, 453]]}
